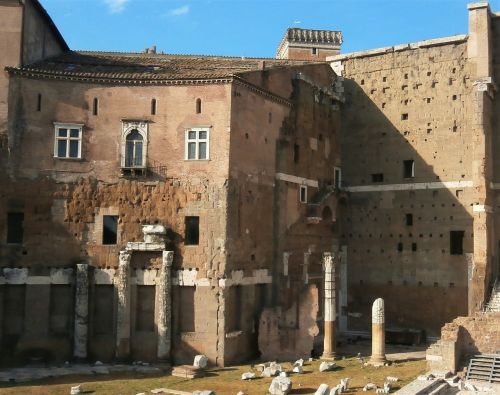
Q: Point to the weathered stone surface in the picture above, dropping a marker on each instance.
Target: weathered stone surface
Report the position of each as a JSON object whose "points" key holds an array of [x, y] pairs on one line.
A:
{"points": [[248, 376], [280, 386], [270, 332], [76, 390], [327, 366], [298, 369], [200, 361], [323, 389]]}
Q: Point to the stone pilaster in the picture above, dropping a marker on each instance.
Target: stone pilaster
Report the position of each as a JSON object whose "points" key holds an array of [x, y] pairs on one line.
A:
{"points": [[378, 333], [81, 311], [480, 56], [164, 298], [330, 341], [123, 310]]}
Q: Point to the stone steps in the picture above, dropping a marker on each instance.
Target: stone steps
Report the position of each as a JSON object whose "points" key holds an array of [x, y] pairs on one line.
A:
{"points": [[494, 302]]}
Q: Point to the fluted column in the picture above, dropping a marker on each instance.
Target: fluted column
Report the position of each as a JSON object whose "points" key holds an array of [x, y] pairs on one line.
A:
{"points": [[329, 346], [164, 298], [123, 308], [378, 333]]}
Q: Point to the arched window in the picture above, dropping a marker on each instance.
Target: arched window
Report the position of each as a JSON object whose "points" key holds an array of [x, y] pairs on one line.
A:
{"points": [[198, 106], [134, 149]]}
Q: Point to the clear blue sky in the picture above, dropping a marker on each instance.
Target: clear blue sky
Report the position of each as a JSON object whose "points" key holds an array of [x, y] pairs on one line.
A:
{"points": [[250, 27]]}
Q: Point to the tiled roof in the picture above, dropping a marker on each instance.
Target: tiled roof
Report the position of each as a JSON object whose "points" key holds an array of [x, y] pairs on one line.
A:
{"points": [[147, 67]]}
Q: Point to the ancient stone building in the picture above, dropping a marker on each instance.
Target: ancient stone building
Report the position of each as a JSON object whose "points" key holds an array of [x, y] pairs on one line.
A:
{"points": [[157, 206], [148, 201], [419, 166]]}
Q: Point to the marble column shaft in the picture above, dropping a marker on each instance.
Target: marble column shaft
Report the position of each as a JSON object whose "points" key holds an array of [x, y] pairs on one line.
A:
{"points": [[378, 333], [123, 308], [329, 346], [164, 320]]}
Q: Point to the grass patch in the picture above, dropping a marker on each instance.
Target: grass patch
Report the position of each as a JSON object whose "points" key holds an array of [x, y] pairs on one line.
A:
{"points": [[224, 380]]}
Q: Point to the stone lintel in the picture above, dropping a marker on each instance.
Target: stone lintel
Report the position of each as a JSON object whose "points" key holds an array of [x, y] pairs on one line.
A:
{"points": [[477, 5]]}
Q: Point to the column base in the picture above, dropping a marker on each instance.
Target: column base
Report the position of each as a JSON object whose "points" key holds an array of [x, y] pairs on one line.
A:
{"points": [[328, 357], [377, 361]]}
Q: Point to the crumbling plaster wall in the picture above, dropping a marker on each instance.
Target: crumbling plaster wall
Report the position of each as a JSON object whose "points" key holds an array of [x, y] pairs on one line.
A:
{"points": [[415, 102]]}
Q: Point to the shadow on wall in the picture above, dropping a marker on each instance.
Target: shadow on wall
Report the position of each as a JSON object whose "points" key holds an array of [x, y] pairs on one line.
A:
{"points": [[409, 244]]}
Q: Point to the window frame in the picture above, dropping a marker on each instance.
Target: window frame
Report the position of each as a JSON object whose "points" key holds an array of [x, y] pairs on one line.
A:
{"points": [[303, 188], [68, 139], [128, 127], [412, 169], [197, 142], [337, 177]]}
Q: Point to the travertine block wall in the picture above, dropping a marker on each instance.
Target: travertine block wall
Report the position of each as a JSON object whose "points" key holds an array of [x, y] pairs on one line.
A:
{"points": [[415, 102]]}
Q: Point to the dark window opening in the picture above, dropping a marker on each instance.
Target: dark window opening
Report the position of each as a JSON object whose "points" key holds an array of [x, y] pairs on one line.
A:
{"points": [[235, 309], [192, 234], [314, 51], [198, 106], [296, 152], [414, 247], [456, 242], [153, 106], [109, 229], [39, 102], [409, 219], [408, 168], [400, 247], [15, 228], [404, 117], [95, 107], [338, 178], [378, 177], [270, 117]]}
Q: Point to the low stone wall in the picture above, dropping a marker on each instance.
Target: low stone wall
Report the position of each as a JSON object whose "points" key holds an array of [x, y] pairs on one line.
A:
{"points": [[463, 338]]}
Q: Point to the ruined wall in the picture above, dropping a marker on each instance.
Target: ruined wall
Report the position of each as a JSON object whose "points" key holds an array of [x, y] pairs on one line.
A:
{"points": [[74, 195], [462, 339], [266, 215], [411, 102]]}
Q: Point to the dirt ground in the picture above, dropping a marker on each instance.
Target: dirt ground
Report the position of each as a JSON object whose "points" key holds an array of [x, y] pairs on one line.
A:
{"points": [[225, 380]]}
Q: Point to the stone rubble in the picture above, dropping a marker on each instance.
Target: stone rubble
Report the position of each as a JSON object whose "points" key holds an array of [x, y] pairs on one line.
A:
{"points": [[75, 390], [280, 386], [323, 389], [248, 376], [200, 361], [327, 366], [369, 387]]}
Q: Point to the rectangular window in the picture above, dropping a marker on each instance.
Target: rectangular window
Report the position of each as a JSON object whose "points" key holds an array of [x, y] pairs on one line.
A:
{"points": [[68, 141], [186, 309], [408, 168], [414, 247], [39, 102], [303, 194], [109, 229], [400, 247], [456, 242], [314, 51], [95, 106], [197, 144], [338, 177], [15, 228], [409, 219], [192, 231], [153, 106], [378, 177]]}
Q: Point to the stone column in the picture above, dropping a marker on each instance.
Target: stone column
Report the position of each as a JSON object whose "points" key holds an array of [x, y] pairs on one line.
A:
{"points": [[378, 333], [164, 298], [329, 347], [123, 308], [81, 311]]}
